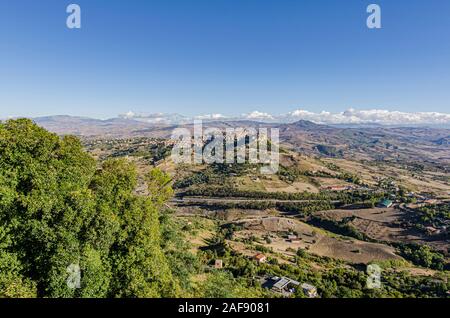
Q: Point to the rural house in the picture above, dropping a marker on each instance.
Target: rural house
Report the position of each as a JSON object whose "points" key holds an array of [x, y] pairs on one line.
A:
{"points": [[385, 203], [218, 264], [283, 285], [260, 258]]}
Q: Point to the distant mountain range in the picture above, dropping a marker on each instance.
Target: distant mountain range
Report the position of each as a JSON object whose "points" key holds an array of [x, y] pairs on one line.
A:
{"points": [[370, 142], [83, 126], [349, 118]]}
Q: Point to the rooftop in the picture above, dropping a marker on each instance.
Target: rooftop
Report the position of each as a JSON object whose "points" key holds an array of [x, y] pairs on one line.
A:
{"points": [[283, 282]]}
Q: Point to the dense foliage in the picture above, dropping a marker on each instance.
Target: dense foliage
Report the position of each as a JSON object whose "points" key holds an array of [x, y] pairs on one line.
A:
{"points": [[59, 212], [343, 197], [422, 255], [433, 215], [295, 208]]}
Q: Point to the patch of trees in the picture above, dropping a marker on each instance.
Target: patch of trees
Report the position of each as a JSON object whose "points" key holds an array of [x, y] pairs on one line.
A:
{"points": [[422, 255], [227, 230], [288, 174], [436, 215], [161, 152], [330, 151], [217, 174], [151, 152], [305, 208], [227, 169], [349, 177], [298, 208], [195, 179], [344, 197], [182, 262]]}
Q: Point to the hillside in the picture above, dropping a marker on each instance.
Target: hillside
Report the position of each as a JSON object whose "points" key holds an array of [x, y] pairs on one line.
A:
{"points": [[401, 145]]}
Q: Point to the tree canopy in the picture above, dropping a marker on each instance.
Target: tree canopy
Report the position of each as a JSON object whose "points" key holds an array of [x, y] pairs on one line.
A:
{"points": [[62, 214]]}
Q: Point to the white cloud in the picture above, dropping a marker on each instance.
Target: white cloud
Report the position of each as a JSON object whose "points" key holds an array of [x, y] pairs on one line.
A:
{"points": [[210, 117], [128, 115], [350, 116], [373, 116], [258, 115], [156, 118]]}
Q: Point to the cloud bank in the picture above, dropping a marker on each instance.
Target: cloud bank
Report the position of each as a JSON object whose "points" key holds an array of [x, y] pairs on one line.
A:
{"points": [[373, 116], [348, 117]]}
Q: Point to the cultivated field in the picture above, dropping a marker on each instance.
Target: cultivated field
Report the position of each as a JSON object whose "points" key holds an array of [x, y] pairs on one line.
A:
{"points": [[312, 239]]}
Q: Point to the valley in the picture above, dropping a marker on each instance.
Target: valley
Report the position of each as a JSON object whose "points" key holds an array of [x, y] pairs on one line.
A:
{"points": [[323, 205]]}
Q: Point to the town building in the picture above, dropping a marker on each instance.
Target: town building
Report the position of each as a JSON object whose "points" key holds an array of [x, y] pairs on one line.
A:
{"points": [[284, 285], [218, 264], [385, 203], [260, 258]]}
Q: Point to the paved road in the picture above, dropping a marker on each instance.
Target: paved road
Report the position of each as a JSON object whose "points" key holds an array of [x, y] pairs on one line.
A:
{"points": [[236, 200]]}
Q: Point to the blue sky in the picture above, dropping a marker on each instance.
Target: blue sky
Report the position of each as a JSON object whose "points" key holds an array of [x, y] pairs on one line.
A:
{"points": [[222, 56]]}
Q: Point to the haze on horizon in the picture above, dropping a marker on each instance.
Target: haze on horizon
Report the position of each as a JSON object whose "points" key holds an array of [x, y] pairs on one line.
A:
{"points": [[233, 58]]}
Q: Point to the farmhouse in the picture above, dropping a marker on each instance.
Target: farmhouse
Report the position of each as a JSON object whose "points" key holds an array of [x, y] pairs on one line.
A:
{"points": [[218, 264], [287, 286], [385, 203], [284, 284], [260, 258], [292, 238]]}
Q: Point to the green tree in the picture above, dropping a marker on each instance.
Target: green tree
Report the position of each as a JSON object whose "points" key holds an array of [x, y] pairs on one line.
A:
{"points": [[58, 209]]}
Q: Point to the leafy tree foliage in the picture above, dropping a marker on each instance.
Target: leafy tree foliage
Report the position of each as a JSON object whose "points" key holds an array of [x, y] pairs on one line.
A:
{"points": [[57, 209], [422, 255]]}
